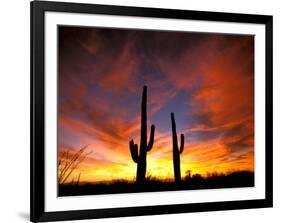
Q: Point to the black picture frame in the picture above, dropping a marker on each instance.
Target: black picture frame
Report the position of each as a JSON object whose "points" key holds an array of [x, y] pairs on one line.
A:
{"points": [[37, 164]]}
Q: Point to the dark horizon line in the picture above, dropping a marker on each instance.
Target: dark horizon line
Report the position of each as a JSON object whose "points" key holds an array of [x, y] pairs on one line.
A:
{"points": [[207, 176]]}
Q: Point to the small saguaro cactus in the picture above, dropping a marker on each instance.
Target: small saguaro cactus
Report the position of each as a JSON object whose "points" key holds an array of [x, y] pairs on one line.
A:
{"points": [[176, 150], [140, 157]]}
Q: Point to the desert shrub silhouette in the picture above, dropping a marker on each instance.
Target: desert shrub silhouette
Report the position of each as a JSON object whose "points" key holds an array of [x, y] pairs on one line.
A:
{"points": [[68, 163]]}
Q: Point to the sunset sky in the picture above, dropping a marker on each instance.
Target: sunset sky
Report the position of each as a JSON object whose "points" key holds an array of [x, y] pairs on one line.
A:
{"points": [[207, 80]]}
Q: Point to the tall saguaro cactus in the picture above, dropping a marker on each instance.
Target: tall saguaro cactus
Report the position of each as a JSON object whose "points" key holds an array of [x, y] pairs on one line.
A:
{"points": [[140, 157], [176, 150]]}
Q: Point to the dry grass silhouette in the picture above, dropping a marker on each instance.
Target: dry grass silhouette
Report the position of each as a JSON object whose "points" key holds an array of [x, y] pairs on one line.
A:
{"points": [[68, 162]]}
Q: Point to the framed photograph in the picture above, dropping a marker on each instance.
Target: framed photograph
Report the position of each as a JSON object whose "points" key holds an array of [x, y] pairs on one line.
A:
{"points": [[144, 111]]}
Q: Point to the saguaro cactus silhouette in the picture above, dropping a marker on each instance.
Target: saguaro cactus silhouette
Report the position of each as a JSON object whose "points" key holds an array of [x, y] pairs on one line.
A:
{"points": [[176, 150], [140, 157]]}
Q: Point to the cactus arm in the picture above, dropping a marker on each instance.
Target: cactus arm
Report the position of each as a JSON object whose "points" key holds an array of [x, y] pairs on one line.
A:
{"points": [[151, 139], [182, 144], [134, 151]]}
